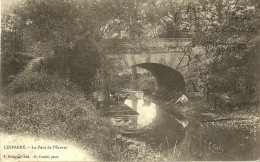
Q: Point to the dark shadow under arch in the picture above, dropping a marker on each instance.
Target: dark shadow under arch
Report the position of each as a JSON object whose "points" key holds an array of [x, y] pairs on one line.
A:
{"points": [[167, 78]]}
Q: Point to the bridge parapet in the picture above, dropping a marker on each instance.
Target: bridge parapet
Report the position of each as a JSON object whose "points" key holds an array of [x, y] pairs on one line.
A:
{"points": [[156, 45]]}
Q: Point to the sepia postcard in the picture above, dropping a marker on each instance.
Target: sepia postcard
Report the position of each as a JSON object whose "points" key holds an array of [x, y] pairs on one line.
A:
{"points": [[130, 80]]}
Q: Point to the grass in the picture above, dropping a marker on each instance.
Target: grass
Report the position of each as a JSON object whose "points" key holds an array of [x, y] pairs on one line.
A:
{"points": [[47, 106], [39, 82]]}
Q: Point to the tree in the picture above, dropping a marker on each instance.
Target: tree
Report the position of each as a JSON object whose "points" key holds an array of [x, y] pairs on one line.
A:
{"points": [[11, 42], [51, 27], [81, 27], [228, 30]]}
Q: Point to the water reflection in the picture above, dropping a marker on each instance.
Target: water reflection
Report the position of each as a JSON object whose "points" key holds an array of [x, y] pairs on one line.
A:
{"points": [[195, 140], [145, 108], [150, 125]]}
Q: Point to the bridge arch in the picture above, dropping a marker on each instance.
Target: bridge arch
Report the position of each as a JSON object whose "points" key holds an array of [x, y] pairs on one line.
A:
{"points": [[168, 79]]}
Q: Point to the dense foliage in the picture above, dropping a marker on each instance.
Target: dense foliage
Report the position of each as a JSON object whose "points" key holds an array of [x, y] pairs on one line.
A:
{"points": [[77, 66], [84, 31], [229, 33], [75, 31]]}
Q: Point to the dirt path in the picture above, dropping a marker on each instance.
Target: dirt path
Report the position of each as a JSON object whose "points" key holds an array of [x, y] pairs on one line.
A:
{"points": [[32, 63]]}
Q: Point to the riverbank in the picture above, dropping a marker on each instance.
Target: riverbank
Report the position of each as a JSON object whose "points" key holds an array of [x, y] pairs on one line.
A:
{"points": [[218, 136], [41, 106], [208, 135], [50, 117]]}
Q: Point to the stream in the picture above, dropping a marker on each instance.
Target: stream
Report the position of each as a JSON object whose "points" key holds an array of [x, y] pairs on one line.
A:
{"points": [[193, 139]]}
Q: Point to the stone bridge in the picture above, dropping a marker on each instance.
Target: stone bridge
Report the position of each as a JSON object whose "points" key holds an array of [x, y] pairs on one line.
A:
{"points": [[169, 60]]}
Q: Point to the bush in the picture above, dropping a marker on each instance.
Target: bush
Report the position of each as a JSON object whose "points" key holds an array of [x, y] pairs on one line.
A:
{"points": [[77, 66], [117, 82]]}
